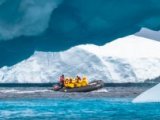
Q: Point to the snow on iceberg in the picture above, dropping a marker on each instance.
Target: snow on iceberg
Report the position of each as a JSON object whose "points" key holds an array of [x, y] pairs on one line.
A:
{"points": [[147, 33], [151, 95], [128, 59]]}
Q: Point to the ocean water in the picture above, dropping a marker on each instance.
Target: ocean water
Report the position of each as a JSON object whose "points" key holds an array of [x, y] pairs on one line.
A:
{"points": [[78, 109]]}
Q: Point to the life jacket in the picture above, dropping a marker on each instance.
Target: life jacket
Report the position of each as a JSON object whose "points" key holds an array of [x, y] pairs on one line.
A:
{"points": [[78, 83], [66, 82], [72, 83], [84, 81]]}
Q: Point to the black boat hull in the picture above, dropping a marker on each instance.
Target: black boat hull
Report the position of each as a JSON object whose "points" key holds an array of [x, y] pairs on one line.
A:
{"points": [[95, 85]]}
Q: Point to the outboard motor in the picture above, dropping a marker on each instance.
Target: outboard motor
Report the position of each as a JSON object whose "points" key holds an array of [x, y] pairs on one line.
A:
{"points": [[56, 87]]}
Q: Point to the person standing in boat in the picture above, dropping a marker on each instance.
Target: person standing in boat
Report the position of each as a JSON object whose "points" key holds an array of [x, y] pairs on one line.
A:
{"points": [[61, 81]]}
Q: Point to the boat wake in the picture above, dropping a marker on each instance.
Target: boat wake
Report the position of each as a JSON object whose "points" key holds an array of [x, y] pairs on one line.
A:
{"points": [[103, 90]]}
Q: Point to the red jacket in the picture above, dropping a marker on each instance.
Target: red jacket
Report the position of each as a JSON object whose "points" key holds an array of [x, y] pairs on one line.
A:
{"points": [[61, 79]]}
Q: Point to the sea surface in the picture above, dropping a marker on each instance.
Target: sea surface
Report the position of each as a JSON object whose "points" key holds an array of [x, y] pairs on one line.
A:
{"points": [[114, 102], [77, 109]]}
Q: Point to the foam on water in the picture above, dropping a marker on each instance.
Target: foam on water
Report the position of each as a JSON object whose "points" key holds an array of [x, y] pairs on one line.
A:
{"points": [[8, 113], [103, 90], [22, 91]]}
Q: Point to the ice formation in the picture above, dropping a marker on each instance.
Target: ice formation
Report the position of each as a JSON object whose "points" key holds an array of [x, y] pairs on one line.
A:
{"points": [[127, 59], [151, 95]]}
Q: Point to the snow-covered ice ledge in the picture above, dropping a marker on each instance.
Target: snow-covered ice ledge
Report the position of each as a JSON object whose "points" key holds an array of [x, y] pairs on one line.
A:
{"points": [[129, 59], [151, 95]]}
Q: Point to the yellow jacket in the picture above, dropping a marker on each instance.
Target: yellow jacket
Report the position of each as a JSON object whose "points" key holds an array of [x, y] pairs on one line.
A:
{"points": [[84, 81], [66, 82], [70, 83]]}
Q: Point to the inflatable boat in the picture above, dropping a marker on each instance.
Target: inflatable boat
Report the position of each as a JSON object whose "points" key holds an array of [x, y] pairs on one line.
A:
{"points": [[94, 85]]}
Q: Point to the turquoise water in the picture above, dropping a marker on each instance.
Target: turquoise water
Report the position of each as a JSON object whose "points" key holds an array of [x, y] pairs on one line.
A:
{"points": [[79, 109]]}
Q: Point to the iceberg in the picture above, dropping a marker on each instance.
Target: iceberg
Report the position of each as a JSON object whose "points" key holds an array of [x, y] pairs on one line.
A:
{"points": [[128, 59], [42, 25], [151, 95], [147, 33], [28, 18]]}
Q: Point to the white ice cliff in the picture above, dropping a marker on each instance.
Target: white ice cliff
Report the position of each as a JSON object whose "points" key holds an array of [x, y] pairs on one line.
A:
{"points": [[128, 59]]}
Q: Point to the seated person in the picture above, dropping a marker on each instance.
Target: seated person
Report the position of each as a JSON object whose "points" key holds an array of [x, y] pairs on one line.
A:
{"points": [[78, 81], [71, 84], [66, 82], [74, 81], [84, 81]]}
